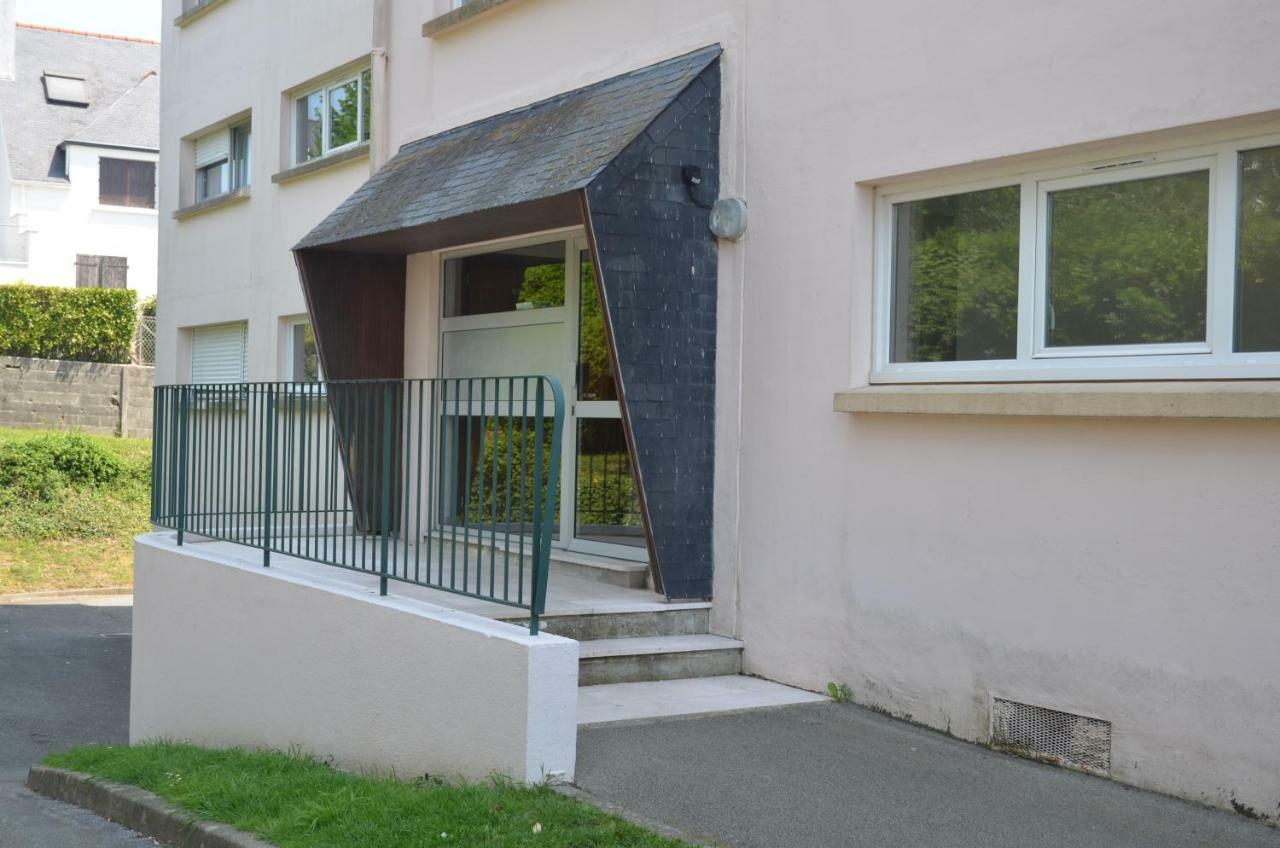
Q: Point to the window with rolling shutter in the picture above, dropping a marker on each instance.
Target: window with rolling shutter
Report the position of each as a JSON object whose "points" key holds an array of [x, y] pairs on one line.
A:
{"points": [[222, 161], [101, 272], [218, 353], [127, 182]]}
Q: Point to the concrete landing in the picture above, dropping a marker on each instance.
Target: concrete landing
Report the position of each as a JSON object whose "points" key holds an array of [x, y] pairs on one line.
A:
{"points": [[615, 702]]}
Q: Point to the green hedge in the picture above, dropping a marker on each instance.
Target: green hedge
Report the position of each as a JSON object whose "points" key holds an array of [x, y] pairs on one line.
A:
{"points": [[83, 325]]}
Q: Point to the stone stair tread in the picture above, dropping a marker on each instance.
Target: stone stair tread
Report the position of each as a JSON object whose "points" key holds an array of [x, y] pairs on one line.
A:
{"points": [[646, 645], [602, 562]]}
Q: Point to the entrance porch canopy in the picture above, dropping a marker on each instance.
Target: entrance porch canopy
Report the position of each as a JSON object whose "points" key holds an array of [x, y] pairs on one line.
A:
{"points": [[633, 159]]}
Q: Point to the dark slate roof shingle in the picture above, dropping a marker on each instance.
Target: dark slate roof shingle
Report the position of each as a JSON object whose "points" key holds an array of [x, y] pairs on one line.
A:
{"points": [[113, 69], [542, 150], [132, 121]]}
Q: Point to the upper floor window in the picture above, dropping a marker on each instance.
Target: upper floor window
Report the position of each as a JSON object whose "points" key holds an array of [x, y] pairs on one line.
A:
{"points": [[127, 182], [223, 161], [332, 117], [1154, 267]]}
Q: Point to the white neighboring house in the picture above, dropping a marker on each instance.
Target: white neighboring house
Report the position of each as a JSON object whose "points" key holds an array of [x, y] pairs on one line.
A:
{"points": [[79, 142]]}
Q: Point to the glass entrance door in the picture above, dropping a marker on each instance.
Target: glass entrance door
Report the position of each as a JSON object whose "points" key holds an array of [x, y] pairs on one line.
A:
{"points": [[533, 307]]}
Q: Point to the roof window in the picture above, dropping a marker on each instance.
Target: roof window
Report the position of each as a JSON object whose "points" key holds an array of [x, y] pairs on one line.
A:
{"points": [[64, 88]]}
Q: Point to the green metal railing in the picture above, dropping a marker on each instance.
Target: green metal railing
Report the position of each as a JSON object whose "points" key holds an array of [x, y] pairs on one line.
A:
{"points": [[447, 483]]}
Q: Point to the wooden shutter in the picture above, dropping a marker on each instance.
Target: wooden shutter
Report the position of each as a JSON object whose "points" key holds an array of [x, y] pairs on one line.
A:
{"points": [[114, 273], [218, 353], [112, 182], [126, 182], [107, 272], [87, 271]]}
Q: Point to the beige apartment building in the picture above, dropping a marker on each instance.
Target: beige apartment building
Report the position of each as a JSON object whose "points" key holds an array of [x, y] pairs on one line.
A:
{"points": [[924, 348]]}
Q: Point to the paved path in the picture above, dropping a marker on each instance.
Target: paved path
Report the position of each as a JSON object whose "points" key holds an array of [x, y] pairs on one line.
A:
{"points": [[835, 775], [64, 680]]}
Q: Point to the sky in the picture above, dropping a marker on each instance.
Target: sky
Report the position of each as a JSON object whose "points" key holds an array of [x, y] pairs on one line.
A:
{"points": [[139, 18]]}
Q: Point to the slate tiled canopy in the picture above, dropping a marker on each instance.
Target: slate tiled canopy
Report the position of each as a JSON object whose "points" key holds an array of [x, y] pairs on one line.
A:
{"points": [[612, 157]]}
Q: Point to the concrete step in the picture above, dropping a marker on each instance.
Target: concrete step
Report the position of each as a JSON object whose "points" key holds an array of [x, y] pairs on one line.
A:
{"points": [[642, 658], [678, 620], [614, 702], [618, 572]]}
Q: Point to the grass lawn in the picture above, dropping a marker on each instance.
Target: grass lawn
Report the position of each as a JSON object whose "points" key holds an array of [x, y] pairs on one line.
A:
{"points": [[69, 508], [292, 801]]}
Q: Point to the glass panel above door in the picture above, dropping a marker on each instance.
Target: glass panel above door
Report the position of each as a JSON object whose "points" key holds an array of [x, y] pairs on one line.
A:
{"points": [[595, 370], [510, 280]]}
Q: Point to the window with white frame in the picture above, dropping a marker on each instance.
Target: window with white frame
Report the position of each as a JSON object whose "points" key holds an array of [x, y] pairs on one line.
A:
{"points": [[1153, 267], [332, 117], [302, 358], [218, 353], [223, 160]]}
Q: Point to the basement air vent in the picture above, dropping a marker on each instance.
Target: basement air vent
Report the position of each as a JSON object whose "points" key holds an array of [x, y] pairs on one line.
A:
{"points": [[1052, 736]]}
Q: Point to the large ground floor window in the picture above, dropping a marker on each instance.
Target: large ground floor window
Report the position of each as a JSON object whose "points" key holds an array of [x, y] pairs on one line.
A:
{"points": [[1159, 266]]}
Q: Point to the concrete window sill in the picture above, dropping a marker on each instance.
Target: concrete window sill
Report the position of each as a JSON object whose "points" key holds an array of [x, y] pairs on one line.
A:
{"points": [[1186, 399], [127, 210], [360, 151], [229, 199], [456, 18], [197, 12]]}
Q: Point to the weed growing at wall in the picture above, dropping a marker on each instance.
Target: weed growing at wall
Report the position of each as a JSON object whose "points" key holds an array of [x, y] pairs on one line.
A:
{"points": [[82, 325]]}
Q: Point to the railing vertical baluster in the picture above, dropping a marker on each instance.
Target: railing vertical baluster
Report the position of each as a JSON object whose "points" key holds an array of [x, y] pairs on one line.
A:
{"points": [[535, 597], [466, 499], [157, 443], [386, 486], [182, 466], [493, 489], [398, 505], [365, 473], [456, 452], [506, 517], [524, 476], [480, 477], [433, 431], [417, 500], [269, 476]]}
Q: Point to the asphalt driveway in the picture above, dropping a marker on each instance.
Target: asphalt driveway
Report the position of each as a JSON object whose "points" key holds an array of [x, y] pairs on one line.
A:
{"points": [[831, 774], [64, 680]]}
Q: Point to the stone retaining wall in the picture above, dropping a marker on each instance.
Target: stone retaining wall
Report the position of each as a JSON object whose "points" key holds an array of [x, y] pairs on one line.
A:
{"points": [[89, 396]]}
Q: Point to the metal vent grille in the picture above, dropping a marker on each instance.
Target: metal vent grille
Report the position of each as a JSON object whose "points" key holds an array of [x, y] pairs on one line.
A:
{"points": [[1052, 736]]}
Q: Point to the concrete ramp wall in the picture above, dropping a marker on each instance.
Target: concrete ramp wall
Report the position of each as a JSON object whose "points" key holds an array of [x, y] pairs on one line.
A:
{"points": [[226, 653]]}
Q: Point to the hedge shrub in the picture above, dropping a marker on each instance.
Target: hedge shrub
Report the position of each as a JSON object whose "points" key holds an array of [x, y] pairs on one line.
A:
{"points": [[83, 325], [40, 467]]}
